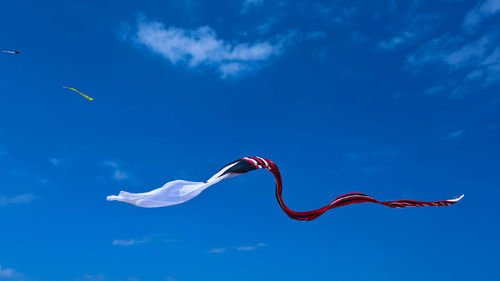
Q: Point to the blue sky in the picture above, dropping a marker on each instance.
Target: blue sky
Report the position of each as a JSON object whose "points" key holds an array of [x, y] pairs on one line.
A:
{"points": [[395, 100]]}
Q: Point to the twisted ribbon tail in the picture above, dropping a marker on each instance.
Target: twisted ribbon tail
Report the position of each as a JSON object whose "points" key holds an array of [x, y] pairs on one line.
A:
{"points": [[180, 191], [342, 200]]}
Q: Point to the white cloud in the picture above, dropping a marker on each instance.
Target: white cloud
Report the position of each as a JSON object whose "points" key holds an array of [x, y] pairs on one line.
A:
{"points": [[232, 68], [245, 248], [247, 4], [54, 161], [479, 13], [321, 9], [130, 242], [474, 60], [470, 59], [333, 15], [118, 174], [415, 26], [92, 277], [249, 248], [474, 75], [43, 181], [434, 90], [18, 199], [217, 251], [112, 164], [470, 53], [454, 135], [316, 35], [269, 24], [253, 2], [10, 274], [395, 41], [201, 47]]}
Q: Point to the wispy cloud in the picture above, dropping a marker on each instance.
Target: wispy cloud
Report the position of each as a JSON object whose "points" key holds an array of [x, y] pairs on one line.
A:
{"points": [[18, 199], [434, 90], [321, 9], [315, 35], [474, 62], [454, 135], [479, 13], [193, 48], [154, 238], [248, 4], [249, 248], [54, 161], [118, 174], [10, 274], [43, 181], [470, 58], [471, 53], [398, 40], [130, 242], [412, 28], [245, 248], [217, 251], [92, 277], [335, 15], [268, 24]]}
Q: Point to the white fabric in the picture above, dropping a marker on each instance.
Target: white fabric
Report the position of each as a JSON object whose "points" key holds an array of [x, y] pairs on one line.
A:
{"points": [[172, 193]]}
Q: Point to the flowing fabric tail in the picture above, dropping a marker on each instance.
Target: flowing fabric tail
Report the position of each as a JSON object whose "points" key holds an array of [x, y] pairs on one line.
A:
{"points": [[180, 191]]}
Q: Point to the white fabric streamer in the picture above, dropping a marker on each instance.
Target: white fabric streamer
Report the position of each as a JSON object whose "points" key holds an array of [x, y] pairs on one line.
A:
{"points": [[172, 193], [180, 191]]}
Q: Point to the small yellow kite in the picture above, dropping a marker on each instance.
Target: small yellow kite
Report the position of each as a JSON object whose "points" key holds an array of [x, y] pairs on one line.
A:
{"points": [[85, 96]]}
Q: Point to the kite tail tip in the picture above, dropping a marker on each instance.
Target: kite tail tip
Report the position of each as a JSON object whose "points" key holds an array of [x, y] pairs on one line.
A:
{"points": [[457, 199]]}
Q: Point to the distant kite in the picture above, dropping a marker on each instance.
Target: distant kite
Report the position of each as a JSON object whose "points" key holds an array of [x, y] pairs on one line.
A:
{"points": [[180, 191], [10, 52], [73, 89]]}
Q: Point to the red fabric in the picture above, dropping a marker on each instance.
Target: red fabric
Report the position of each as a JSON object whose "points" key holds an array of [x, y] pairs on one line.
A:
{"points": [[342, 200]]}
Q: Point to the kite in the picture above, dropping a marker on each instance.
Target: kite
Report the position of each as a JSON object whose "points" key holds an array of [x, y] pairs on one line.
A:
{"points": [[180, 191], [85, 96], [10, 52]]}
